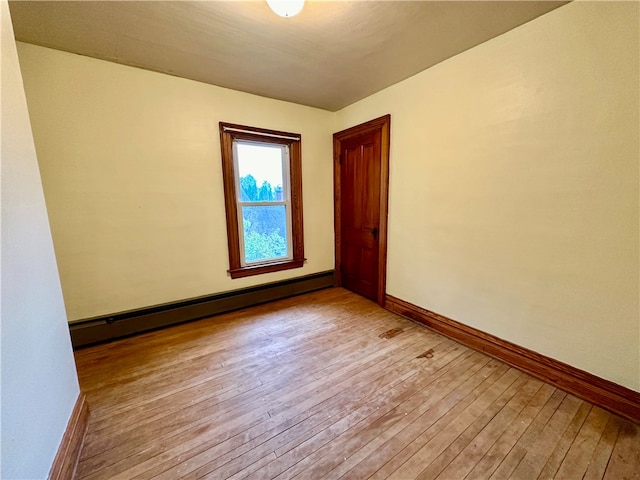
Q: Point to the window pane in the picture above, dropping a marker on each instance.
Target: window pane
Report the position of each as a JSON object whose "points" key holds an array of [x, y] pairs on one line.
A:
{"points": [[260, 172], [265, 233]]}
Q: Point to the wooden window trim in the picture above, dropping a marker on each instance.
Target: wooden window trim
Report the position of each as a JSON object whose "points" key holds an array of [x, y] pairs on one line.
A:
{"points": [[228, 133]]}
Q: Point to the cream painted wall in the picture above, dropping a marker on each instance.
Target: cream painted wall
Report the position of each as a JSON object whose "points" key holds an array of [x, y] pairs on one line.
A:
{"points": [[131, 168], [514, 187], [39, 382]]}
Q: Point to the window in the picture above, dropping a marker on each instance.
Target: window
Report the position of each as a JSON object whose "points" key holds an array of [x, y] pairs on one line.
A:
{"points": [[263, 199]]}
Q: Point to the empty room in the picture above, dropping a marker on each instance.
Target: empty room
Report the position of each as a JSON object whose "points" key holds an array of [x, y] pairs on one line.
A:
{"points": [[320, 239]]}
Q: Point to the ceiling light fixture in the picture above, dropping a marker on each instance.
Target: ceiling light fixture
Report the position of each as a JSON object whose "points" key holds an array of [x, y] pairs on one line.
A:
{"points": [[286, 8]]}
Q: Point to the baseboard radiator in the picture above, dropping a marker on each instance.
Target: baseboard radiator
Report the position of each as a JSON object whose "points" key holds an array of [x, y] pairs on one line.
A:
{"points": [[109, 327]]}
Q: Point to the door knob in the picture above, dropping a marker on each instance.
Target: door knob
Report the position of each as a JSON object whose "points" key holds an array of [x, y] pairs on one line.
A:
{"points": [[374, 232]]}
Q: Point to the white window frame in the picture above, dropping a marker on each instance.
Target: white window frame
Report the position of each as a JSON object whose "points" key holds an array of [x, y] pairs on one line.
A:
{"points": [[286, 202]]}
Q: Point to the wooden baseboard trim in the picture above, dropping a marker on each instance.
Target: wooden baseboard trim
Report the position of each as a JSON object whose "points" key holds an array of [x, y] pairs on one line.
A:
{"points": [[66, 461], [109, 327], [603, 393]]}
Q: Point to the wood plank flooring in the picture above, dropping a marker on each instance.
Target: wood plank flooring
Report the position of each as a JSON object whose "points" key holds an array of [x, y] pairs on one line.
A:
{"points": [[330, 386]]}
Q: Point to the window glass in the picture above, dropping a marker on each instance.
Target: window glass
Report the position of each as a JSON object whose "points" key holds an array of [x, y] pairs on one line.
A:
{"points": [[260, 172], [265, 233]]}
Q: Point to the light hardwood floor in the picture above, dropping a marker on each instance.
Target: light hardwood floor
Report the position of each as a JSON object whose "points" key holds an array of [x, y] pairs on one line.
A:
{"points": [[310, 388]]}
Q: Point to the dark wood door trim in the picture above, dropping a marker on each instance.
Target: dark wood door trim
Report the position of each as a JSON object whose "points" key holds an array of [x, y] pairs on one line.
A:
{"points": [[382, 125]]}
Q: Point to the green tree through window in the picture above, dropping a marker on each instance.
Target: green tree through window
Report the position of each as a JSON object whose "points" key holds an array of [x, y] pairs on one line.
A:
{"points": [[265, 233]]}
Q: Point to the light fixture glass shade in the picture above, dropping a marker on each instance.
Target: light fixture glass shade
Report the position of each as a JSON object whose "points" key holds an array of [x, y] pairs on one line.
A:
{"points": [[286, 8]]}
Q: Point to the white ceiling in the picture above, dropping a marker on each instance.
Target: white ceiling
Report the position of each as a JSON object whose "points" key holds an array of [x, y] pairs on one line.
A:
{"points": [[329, 56]]}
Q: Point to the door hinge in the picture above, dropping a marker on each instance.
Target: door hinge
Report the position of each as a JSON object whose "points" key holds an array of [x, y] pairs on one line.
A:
{"points": [[340, 159]]}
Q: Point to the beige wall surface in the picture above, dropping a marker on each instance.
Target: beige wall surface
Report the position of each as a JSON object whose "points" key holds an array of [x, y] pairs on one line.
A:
{"points": [[39, 382], [514, 187], [131, 169]]}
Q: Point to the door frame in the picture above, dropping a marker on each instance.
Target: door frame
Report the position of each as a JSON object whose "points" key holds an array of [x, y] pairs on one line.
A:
{"points": [[382, 125]]}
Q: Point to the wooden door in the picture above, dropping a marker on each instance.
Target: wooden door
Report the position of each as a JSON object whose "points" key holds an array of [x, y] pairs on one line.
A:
{"points": [[361, 199], [359, 184]]}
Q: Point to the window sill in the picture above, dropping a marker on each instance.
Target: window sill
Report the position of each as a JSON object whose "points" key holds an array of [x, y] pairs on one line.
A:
{"points": [[265, 268]]}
